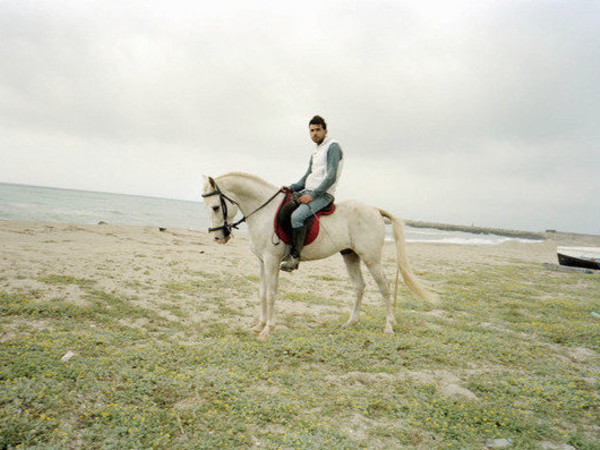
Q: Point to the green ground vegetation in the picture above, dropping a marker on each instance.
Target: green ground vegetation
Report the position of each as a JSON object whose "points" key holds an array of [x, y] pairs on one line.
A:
{"points": [[512, 352]]}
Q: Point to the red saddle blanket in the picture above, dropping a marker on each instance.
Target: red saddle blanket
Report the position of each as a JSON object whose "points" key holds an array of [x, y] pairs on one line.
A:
{"points": [[282, 225]]}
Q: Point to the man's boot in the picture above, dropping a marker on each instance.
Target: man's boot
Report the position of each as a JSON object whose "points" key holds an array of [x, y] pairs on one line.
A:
{"points": [[293, 260]]}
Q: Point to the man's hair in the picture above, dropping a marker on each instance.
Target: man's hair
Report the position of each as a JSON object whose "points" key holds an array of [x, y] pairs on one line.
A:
{"points": [[318, 120]]}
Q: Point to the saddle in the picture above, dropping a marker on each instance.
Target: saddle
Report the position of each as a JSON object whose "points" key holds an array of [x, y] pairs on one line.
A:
{"points": [[283, 225]]}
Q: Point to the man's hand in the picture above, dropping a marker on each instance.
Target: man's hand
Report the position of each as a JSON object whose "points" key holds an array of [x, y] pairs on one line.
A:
{"points": [[306, 198]]}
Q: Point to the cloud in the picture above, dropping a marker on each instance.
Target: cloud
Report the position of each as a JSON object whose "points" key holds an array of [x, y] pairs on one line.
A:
{"points": [[468, 110]]}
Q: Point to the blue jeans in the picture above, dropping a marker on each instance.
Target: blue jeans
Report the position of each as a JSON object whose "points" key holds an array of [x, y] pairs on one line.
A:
{"points": [[305, 210]]}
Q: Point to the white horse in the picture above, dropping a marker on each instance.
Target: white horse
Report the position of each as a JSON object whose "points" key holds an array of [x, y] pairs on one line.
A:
{"points": [[354, 229]]}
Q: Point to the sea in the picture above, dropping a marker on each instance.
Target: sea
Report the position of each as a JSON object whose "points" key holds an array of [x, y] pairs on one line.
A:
{"points": [[45, 204]]}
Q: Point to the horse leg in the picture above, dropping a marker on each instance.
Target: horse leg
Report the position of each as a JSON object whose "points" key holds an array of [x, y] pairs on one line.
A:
{"points": [[262, 294], [352, 261], [271, 272], [379, 277]]}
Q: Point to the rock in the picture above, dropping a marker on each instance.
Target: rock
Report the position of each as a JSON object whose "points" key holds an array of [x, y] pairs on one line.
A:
{"points": [[498, 443], [67, 356], [552, 446]]}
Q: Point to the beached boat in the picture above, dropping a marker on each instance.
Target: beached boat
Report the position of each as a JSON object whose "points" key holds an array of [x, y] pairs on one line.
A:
{"points": [[586, 257]]}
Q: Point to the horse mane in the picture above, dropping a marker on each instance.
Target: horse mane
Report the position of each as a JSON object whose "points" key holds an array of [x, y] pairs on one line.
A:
{"points": [[247, 176]]}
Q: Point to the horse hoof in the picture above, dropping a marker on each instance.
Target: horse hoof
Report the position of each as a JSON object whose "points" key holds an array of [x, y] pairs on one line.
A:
{"points": [[257, 329], [264, 334], [389, 331], [349, 324]]}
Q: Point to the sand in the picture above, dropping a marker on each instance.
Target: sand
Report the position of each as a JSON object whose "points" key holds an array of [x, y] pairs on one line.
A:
{"points": [[142, 263], [202, 289]]}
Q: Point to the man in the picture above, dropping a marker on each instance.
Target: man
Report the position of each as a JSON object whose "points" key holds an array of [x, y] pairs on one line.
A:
{"points": [[315, 190]]}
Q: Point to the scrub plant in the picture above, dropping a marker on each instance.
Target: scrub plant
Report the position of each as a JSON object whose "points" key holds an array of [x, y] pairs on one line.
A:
{"points": [[512, 352]]}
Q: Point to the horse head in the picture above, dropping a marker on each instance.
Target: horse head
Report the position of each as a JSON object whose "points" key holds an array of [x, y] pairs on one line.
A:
{"points": [[221, 211]]}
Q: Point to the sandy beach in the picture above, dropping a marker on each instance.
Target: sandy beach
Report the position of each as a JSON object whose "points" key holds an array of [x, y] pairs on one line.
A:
{"points": [[136, 263], [168, 313], [119, 258]]}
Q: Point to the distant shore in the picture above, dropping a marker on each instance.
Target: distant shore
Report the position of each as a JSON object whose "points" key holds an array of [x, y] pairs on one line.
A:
{"points": [[552, 235]]}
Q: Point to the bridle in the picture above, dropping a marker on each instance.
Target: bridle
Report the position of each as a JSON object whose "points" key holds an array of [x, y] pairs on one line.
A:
{"points": [[227, 227]]}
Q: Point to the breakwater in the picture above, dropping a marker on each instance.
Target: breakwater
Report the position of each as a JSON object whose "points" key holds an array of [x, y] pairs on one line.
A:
{"points": [[478, 230]]}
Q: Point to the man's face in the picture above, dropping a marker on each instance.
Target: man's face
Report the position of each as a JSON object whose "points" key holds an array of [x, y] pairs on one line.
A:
{"points": [[317, 133]]}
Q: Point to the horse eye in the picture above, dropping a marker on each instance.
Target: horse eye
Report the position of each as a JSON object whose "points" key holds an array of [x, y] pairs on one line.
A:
{"points": [[215, 208]]}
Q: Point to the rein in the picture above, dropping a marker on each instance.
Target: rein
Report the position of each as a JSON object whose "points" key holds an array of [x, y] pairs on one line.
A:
{"points": [[227, 227]]}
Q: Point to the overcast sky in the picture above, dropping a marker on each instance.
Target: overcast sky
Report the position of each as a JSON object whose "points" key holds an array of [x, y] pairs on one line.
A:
{"points": [[465, 112]]}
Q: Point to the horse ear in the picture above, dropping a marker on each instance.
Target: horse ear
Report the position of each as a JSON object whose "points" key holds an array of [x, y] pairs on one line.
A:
{"points": [[208, 181]]}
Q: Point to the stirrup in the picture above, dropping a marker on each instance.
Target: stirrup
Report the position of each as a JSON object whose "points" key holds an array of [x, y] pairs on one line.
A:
{"points": [[291, 264]]}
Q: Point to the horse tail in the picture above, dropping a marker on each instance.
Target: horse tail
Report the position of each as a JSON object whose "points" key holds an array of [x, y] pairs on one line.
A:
{"points": [[402, 261]]}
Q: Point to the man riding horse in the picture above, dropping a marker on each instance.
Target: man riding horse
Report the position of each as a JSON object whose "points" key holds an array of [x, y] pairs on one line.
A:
{"points": [[315, 190]]}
